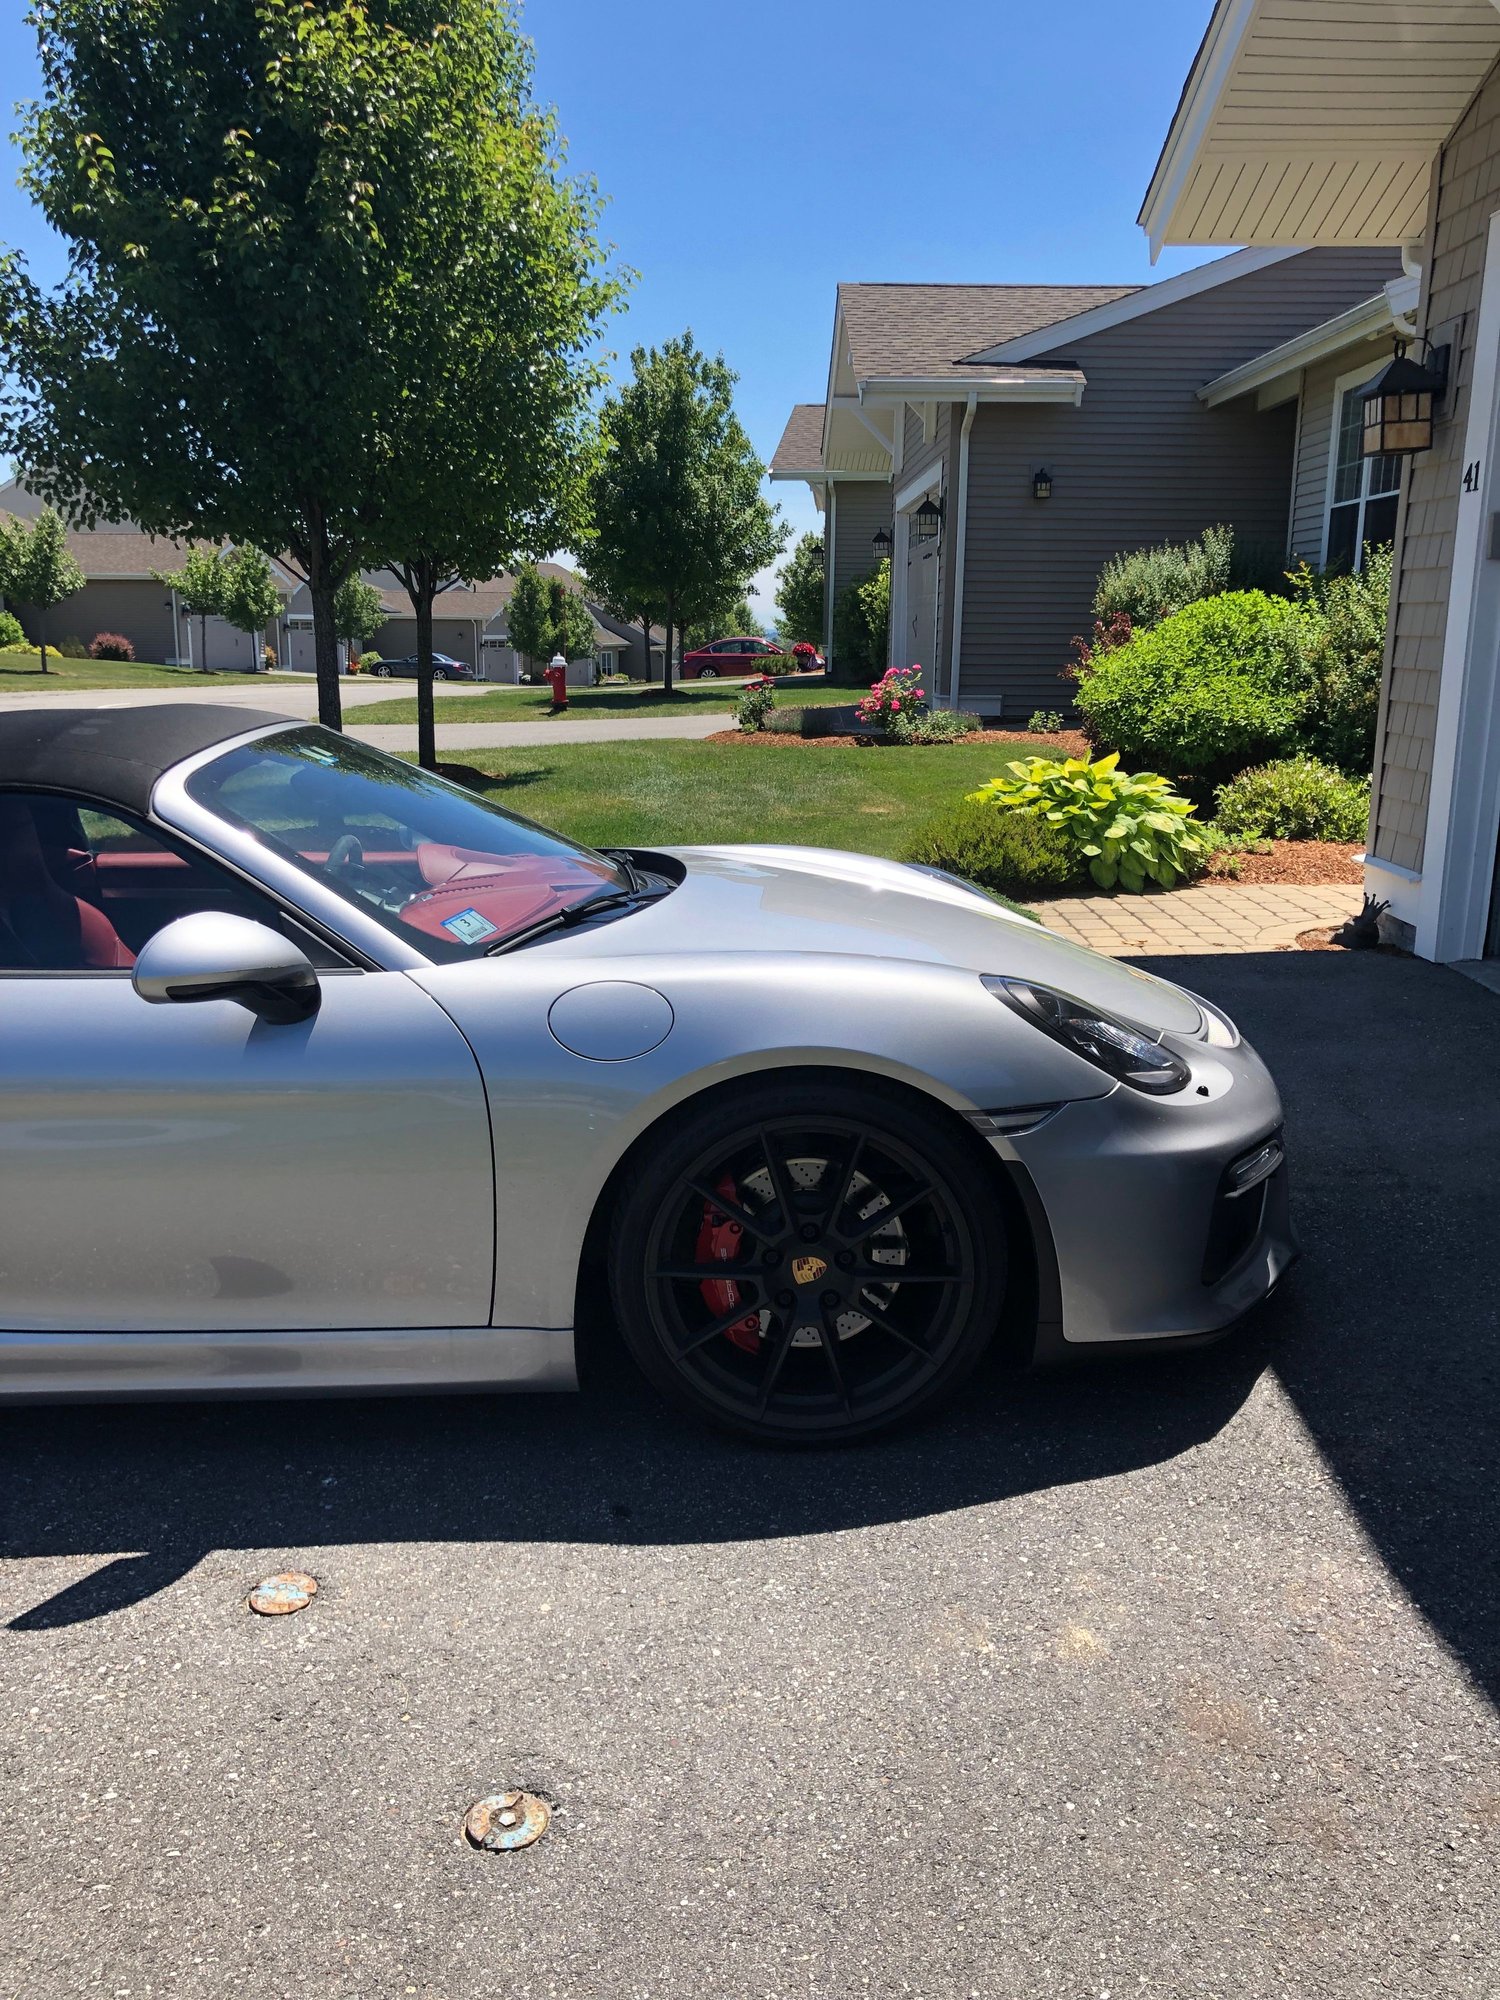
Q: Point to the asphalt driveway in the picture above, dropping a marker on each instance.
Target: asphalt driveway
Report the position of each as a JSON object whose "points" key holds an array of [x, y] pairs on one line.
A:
{"points": [[1168, 1679]]}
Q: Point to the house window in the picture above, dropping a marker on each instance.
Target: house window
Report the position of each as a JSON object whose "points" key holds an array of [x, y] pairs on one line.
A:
{"points": [[1364, 493]]}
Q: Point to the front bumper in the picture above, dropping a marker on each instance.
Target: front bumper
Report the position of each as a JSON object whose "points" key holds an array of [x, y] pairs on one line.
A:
{"points": [[1149, 1239]]}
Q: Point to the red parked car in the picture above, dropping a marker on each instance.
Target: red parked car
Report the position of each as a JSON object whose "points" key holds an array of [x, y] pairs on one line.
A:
{"points": [[727, 656]]}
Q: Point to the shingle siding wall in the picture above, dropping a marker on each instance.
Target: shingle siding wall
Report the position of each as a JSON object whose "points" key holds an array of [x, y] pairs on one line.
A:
{"points": [[1140, 461], [1466, 194]]}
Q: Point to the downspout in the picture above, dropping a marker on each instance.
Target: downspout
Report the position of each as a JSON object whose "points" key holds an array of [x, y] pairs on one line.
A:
{"points": [[960, 546]]}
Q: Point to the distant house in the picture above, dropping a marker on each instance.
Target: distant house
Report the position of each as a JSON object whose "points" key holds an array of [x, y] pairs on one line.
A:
{"points": [[122, 595], [1006, 440], [1378, 121]]}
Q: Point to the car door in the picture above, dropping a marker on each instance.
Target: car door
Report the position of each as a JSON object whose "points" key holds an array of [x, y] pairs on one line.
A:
{"points": [[191, 1167]]}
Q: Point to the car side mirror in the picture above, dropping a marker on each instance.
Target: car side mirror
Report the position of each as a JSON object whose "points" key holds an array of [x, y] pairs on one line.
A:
{"points": [[212, 955]]}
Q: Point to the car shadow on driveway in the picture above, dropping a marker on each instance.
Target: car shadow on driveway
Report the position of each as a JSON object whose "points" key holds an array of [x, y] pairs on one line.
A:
{"points": [[1385, 1338]]}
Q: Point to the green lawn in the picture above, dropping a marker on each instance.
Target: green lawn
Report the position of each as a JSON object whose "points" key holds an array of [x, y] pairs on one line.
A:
{"points": [[641, 794], [21, 673], [529, 704]]}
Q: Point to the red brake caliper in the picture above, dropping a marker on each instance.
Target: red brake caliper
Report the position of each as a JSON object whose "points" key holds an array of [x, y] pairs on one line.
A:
{"points": [[719, 1242]]}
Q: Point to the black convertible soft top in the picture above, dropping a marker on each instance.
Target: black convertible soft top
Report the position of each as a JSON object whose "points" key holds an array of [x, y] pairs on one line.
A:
{"points": [[115, 755]]}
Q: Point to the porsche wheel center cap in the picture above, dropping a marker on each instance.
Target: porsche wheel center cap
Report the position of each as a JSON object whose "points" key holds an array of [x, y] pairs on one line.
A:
{"points": [[808, 1270]]}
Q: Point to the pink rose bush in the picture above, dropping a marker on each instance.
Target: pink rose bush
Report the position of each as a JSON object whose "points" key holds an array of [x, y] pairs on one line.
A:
{"points": [[899, 690]]}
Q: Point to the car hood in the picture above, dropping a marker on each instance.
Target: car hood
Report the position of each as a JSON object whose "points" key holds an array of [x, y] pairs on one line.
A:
{"points": [[812, 899]]}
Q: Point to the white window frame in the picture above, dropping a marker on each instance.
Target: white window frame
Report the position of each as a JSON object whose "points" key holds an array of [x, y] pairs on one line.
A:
{"points": [[1352, 380]]}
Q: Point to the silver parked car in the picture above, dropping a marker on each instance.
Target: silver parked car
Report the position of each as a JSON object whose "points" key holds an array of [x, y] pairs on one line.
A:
{"points": [[321, 1073]]}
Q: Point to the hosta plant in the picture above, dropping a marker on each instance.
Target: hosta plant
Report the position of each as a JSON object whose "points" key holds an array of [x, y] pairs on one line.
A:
{"points": [[1130, 829]]}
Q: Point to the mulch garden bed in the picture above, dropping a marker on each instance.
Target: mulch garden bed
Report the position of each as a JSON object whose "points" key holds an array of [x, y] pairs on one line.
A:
{"points": [[1070, 740], [1308, 863]]}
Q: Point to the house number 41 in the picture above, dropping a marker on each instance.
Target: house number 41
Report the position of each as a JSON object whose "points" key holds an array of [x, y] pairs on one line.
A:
{"points": [[1471, 476]]}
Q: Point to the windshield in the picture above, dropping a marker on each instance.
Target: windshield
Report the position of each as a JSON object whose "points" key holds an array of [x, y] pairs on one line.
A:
{"points": [[409, 849]]}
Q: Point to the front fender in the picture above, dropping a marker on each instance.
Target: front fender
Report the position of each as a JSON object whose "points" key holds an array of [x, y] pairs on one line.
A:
{"points": [[562, 1122]]}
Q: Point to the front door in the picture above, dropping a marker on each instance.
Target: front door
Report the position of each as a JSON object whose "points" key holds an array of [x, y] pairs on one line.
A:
{"points": [[190, 1167], [922, 603]]}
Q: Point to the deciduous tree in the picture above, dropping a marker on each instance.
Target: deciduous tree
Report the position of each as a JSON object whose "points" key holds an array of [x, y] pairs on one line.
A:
{"points": [[678, 517], [268, 206], [199, 585], [799, 594], [249, 599], [358, 612], [37, 570]]}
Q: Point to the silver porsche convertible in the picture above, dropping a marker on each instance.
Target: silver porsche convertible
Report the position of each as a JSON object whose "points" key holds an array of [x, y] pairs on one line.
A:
{"points": [[319, 1072]]}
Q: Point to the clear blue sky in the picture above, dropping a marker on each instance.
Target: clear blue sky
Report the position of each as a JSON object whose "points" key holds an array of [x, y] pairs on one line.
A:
{"points": [[754, 156]]}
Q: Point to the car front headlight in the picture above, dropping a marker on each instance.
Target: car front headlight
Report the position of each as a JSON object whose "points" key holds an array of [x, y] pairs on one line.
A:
{"points": [[1122, 1051]]}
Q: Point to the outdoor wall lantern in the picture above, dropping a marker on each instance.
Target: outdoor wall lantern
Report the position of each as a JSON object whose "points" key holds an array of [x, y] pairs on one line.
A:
{"points": [[880, 541], [1041, 484], [816, 552], [926, 520], [1398, 404]]}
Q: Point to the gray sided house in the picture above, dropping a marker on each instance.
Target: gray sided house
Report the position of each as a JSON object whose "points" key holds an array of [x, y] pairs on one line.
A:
{"points": [[1404, 99], [1012, 438], [122, 595]]}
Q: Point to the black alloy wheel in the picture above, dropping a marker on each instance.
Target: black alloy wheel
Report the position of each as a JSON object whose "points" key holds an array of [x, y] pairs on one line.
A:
{"points": [[810, 1266]]}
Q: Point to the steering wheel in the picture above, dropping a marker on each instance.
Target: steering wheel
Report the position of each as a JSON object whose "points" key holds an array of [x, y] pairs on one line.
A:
{"points": [[345, 855]]}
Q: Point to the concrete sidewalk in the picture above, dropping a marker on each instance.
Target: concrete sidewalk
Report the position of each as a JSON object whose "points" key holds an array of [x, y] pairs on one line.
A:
{"points": [[1215, 916]]}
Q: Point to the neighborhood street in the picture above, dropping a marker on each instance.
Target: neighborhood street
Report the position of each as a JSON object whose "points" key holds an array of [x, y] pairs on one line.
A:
{"points": [[1168, 1678]]}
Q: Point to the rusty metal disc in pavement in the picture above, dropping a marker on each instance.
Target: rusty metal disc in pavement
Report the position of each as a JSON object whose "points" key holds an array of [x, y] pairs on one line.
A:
{"points": [[275, 1596], [507, 1820]]}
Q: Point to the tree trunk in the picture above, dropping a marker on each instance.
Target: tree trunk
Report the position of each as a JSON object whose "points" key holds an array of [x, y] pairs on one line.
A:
{"points": [[426, 730], [41, 637], [321, 589], [203, 641], [646, 630], [666, 670]]}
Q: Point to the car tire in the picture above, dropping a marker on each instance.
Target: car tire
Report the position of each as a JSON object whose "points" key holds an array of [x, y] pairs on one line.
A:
{"points": [[707, 674], [777, 1194], [381, 673], [440, 673]]}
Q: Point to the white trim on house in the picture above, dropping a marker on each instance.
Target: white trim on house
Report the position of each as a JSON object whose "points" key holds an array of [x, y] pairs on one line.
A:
{"points": [[892, 391], [830, 581], [1135, 305], [1389, 311], [1463, 814], [1222, 42], [960, 548], [1315, 123], [915, 490]]}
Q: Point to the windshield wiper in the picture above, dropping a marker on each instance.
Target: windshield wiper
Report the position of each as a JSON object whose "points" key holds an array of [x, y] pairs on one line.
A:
{"points": [[575, 913], [621, 856]]}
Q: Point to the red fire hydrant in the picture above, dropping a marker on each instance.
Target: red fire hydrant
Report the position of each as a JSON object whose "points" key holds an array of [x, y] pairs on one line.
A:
{"points": [[556, 677]]}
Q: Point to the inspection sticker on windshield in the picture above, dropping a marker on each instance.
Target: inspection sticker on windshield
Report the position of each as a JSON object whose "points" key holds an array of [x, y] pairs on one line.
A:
{"points": [[469, 927]]}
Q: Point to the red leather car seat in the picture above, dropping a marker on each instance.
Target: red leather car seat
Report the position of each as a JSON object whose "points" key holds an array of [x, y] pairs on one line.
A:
{"points": [[43, 925]]}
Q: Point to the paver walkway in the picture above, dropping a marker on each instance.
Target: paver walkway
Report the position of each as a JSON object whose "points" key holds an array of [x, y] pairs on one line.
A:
{"points": [[1207, 917]]}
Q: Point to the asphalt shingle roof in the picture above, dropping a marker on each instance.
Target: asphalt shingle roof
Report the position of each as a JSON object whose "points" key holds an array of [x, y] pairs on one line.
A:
{"points": [[801, 446], [932, 330]]}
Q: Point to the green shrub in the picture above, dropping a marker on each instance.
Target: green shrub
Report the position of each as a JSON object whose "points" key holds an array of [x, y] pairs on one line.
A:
{"points": [[934, 725], [1129, 829], [10, 630], [1045, 722], [1147, 585], [1343, 658], [784, 722], [861, 625], [1210, 689], [1296, 799], [755, 703], [1015, 854], [71, 647]]}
